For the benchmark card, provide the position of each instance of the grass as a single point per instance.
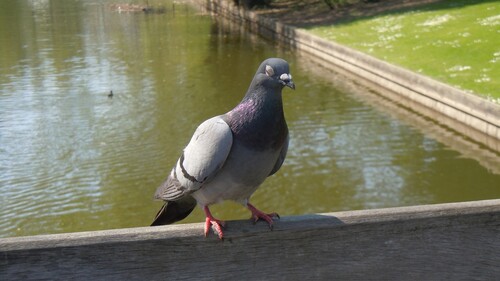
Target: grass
(456, 42)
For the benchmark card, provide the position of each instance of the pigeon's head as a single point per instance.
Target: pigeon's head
(278, 70)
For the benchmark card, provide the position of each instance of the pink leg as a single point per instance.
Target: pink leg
(211, 221)
(257, 214)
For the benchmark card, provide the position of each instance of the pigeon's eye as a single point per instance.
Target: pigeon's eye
(269, 71)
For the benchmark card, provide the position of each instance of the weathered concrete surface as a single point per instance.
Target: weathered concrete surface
(457, 241)
(469, 114)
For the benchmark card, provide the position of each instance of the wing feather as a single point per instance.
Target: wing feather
(202, 158)
(281, 157)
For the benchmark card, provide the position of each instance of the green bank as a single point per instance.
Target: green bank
(456, 42)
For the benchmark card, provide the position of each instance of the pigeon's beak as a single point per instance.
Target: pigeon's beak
(286, 80)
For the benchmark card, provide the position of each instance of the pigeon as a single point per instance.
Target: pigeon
(230, 155)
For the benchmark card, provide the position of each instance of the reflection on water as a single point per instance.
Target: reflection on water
(72, 159)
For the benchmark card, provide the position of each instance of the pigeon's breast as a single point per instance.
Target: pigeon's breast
(241, 175)
(259, 128)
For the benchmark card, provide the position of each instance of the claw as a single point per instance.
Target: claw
(217, 224)
(211, 221)
(257, 215)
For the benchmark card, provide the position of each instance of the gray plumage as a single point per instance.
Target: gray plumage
(230, 155)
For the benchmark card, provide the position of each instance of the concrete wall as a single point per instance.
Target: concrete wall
(469, 114)
(458, 241)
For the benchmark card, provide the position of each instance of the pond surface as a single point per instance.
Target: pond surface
(73, 159)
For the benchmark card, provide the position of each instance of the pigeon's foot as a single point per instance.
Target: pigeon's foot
(211, 221)
(258, 214)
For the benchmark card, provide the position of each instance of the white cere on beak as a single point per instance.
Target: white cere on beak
(269, 71)
(286, 77)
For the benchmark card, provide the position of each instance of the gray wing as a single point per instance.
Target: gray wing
(281, 157)
(202, 158)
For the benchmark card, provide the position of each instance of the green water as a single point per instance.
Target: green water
(72, 159)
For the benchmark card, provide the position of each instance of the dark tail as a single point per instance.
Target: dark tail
(173, 211)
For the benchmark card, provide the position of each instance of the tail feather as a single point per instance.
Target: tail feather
(174, 211)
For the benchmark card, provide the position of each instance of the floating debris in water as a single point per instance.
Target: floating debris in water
(133, 8)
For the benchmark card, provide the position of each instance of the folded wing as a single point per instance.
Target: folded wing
(202, 158)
